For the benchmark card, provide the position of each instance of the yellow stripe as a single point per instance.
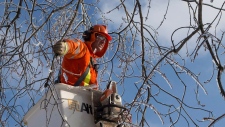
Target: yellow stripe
(87, 79)
(78, 49)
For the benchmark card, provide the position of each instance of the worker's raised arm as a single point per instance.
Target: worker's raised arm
(71, 49)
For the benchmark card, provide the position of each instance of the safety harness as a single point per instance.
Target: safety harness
(84, 75)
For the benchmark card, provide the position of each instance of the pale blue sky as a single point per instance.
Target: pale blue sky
(176, 17)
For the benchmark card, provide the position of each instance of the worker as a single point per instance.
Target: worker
(79, 58)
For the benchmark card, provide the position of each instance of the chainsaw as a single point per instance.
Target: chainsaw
(111, 112)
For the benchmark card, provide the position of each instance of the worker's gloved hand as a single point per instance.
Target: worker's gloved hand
(60, 48)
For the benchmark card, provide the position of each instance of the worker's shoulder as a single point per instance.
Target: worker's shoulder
(73, 40)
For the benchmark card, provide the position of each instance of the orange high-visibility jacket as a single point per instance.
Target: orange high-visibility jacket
(75, 63)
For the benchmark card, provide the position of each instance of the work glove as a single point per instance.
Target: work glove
(60, 48)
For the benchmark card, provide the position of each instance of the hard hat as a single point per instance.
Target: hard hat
(89, 37)
(101, 29)
(96, 29)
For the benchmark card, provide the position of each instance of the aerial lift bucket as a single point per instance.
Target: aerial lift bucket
(68, 106)
(64, 106)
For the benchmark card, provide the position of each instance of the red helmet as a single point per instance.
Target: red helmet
(101, 29)
(90, 36)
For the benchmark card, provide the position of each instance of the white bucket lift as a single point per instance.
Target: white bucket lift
(68, 106)
(64, 106)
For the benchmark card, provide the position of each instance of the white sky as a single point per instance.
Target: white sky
(177, 16)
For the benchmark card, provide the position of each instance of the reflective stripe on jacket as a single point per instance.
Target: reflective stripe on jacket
(75, 63)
